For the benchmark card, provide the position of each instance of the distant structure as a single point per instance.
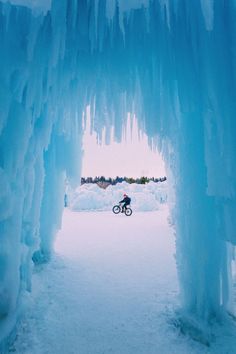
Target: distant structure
(104, 182)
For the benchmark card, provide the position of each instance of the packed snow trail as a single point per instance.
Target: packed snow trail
(111, 288)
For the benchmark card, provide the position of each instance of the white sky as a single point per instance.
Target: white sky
(132, 158)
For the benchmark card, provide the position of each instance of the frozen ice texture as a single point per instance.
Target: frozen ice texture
(36, 5)
(173, 65)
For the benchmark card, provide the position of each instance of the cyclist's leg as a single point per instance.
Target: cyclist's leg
(123, 207)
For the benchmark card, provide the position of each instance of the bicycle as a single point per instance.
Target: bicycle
(118, 208)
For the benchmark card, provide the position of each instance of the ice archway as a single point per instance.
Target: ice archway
(170, 63)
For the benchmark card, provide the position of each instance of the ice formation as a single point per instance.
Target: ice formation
(172, 64)
(90, 197)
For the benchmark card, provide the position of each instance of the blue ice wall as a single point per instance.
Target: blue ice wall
(40, 136)
(172, 63)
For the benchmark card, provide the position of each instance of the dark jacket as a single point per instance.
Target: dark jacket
(126, 200)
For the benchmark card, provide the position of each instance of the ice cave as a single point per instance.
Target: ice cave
(172, 64)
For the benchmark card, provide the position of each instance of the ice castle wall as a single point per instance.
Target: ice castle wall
(170, 63)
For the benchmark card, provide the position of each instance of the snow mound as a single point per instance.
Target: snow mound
(90, 197)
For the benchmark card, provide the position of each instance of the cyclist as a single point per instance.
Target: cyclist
(126, 202)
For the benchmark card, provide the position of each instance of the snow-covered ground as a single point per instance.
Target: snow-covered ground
(111, 288)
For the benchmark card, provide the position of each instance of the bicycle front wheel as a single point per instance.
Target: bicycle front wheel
(116, 209)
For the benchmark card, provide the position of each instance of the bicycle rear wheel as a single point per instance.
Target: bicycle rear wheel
(116, 209)
(128, 211)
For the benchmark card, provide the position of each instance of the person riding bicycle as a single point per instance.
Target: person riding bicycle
(126, 202)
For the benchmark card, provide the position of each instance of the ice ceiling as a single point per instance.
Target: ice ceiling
(172, 64)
